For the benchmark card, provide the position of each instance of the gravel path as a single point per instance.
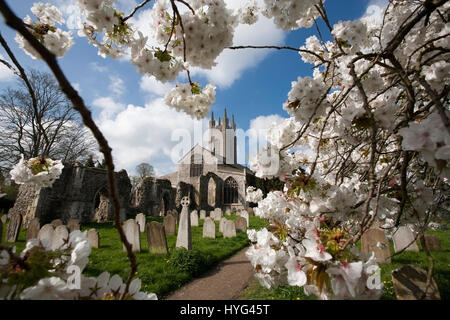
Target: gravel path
(225, 282)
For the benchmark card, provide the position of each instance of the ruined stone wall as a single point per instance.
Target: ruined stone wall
(72, 196)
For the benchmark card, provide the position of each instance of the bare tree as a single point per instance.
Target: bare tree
(40, 123)
(145, 170)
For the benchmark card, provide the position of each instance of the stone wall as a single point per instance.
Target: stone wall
(153, 196)
(73, 195)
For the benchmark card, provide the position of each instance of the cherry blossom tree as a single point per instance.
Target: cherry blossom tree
(374, 114)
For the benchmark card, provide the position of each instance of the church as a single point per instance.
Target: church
(211, 176)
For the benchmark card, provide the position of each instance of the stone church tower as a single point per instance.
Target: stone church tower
(222, 138)
(211, 175)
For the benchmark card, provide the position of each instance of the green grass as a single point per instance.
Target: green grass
(159, 274)
(441, 274)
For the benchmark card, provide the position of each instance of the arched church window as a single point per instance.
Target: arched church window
(230, 191)
(196, 165)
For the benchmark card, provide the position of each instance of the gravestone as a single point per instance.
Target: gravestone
(209, 228)
(170, 223)
(33, 229)
(140, 220)
(4, 218)
(229, 229)
(202, 214)
(194, 219)
(93, 238)
(13, 228)
(432, 242)
(251, 211)
(156, 238)
(57, 222)
(212, 214)
(131, 229)
(176, 215)
(73, 224)
(375, 240)
(217, 214)
(222, 223)
(60, 237)
(404, 237)
(228, 211)
(244, 214)
(184, 237)
(240, 224)
(410, 283)
(45, 235)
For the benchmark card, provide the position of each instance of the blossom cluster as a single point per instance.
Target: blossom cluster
(248, 14)
(53, 38)
(36, 171)
(253, 195)
(58, 283)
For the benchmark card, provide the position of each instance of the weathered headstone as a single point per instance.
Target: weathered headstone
(156, 238)
(94, 238)
(375, 240)
(184, 237)
(432, 242)
(33, 229)
(209, 228)
(202, 214)
(217, 214)
(228, 211)
(60, 237)
(194, 219)
(404, 238)
(240, 224)
(73, 224)
(410, 283)
(212, 214)
(251, 211)
(131, 229)
(45, 235)
(229, 229)
(4, 218)
(140, 220)
(222, 223)
(13, 228)
(170, 223)
(57, 222)
(176, 215)
(244, 214)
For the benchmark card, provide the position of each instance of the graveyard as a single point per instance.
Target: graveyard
(225, 150)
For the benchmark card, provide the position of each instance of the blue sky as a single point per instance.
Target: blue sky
(251, 84)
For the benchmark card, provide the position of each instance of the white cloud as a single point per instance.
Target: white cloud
(374, 10)
(154, 87)
(5, 73)
(116, 85)
(76, 86)
(108, 106)
(144, 134)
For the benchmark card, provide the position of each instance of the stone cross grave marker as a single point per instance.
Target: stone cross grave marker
(170, 223)
(59, 237)
(240, 224)
(45, 235)
(13, 228)
(156, 238)
(94, 238)
(33, 229)
(229, 229)
(56, 222)
(375, 240)
(194, 219)
(222, 223)
(202, 214)
(73, 224)
(209, 228)
(131, 229)
(403, 237)
(184, 237)
(410, 283)
(140, 220)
